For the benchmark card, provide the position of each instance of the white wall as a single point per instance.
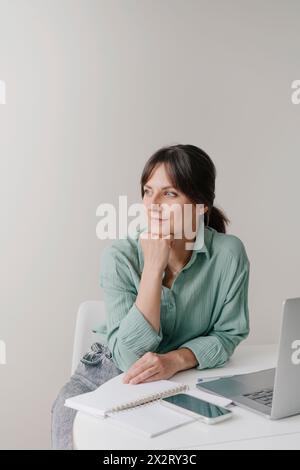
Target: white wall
(93, 88)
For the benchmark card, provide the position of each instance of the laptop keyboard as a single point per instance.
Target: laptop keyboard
(264, 396)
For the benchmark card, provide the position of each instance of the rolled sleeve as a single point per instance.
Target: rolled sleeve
(232, 323)
(129, 334)
(137, 334)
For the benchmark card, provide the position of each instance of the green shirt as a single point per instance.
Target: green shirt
(205, 310)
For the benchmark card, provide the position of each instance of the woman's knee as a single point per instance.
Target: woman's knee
(62, 417)
(65, 392)
(85, 379)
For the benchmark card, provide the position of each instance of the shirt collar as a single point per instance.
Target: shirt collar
(202, 243)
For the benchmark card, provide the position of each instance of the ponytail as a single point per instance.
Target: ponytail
(216, 219)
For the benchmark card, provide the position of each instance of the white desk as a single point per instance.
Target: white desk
(246, 430)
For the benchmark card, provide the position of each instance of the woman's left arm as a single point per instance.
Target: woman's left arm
(232, 325)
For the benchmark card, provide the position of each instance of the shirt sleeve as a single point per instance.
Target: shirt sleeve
(232, 323)
(129, 334)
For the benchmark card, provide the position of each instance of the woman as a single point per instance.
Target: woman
(169, 307)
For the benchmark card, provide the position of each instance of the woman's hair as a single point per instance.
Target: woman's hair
(192, 172)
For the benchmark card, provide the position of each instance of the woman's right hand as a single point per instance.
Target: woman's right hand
(156, 251)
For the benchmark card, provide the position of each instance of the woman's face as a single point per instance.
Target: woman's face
(168, 210)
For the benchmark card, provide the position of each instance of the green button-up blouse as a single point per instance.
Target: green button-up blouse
(205, 310)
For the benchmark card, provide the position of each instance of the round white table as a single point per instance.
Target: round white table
(244, 430)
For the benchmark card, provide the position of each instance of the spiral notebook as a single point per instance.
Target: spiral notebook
(133, 406)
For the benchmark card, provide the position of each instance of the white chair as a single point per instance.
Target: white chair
(90, 314)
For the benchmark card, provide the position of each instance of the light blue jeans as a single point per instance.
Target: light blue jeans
(95, 368)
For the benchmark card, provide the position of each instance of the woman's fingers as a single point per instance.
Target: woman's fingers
(147, 374)
(143, 364)
(133, 372)
(137, 368)
(154, 377)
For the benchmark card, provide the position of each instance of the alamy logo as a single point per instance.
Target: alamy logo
(157, 218)
(2, 353)
(295, 97)
(2, 92)
(296, 354)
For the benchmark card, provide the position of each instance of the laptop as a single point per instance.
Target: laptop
(274, 393)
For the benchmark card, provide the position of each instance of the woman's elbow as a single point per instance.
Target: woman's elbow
(121, 356)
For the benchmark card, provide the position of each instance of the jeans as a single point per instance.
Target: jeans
(95, 368)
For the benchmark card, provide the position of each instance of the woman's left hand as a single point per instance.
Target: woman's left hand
(152, 366)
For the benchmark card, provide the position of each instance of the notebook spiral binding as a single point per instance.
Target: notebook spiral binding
(145, 400)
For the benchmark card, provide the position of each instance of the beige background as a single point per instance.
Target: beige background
(93, 88)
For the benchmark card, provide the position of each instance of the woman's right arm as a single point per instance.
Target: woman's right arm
(156, 255)
(149, 296)
(132, 319)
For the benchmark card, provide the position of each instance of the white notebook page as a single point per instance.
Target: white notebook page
(150, 420)
(114, 393)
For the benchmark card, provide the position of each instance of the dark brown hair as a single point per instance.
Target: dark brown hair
(192, 172)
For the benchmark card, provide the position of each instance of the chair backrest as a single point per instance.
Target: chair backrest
(90, 314)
